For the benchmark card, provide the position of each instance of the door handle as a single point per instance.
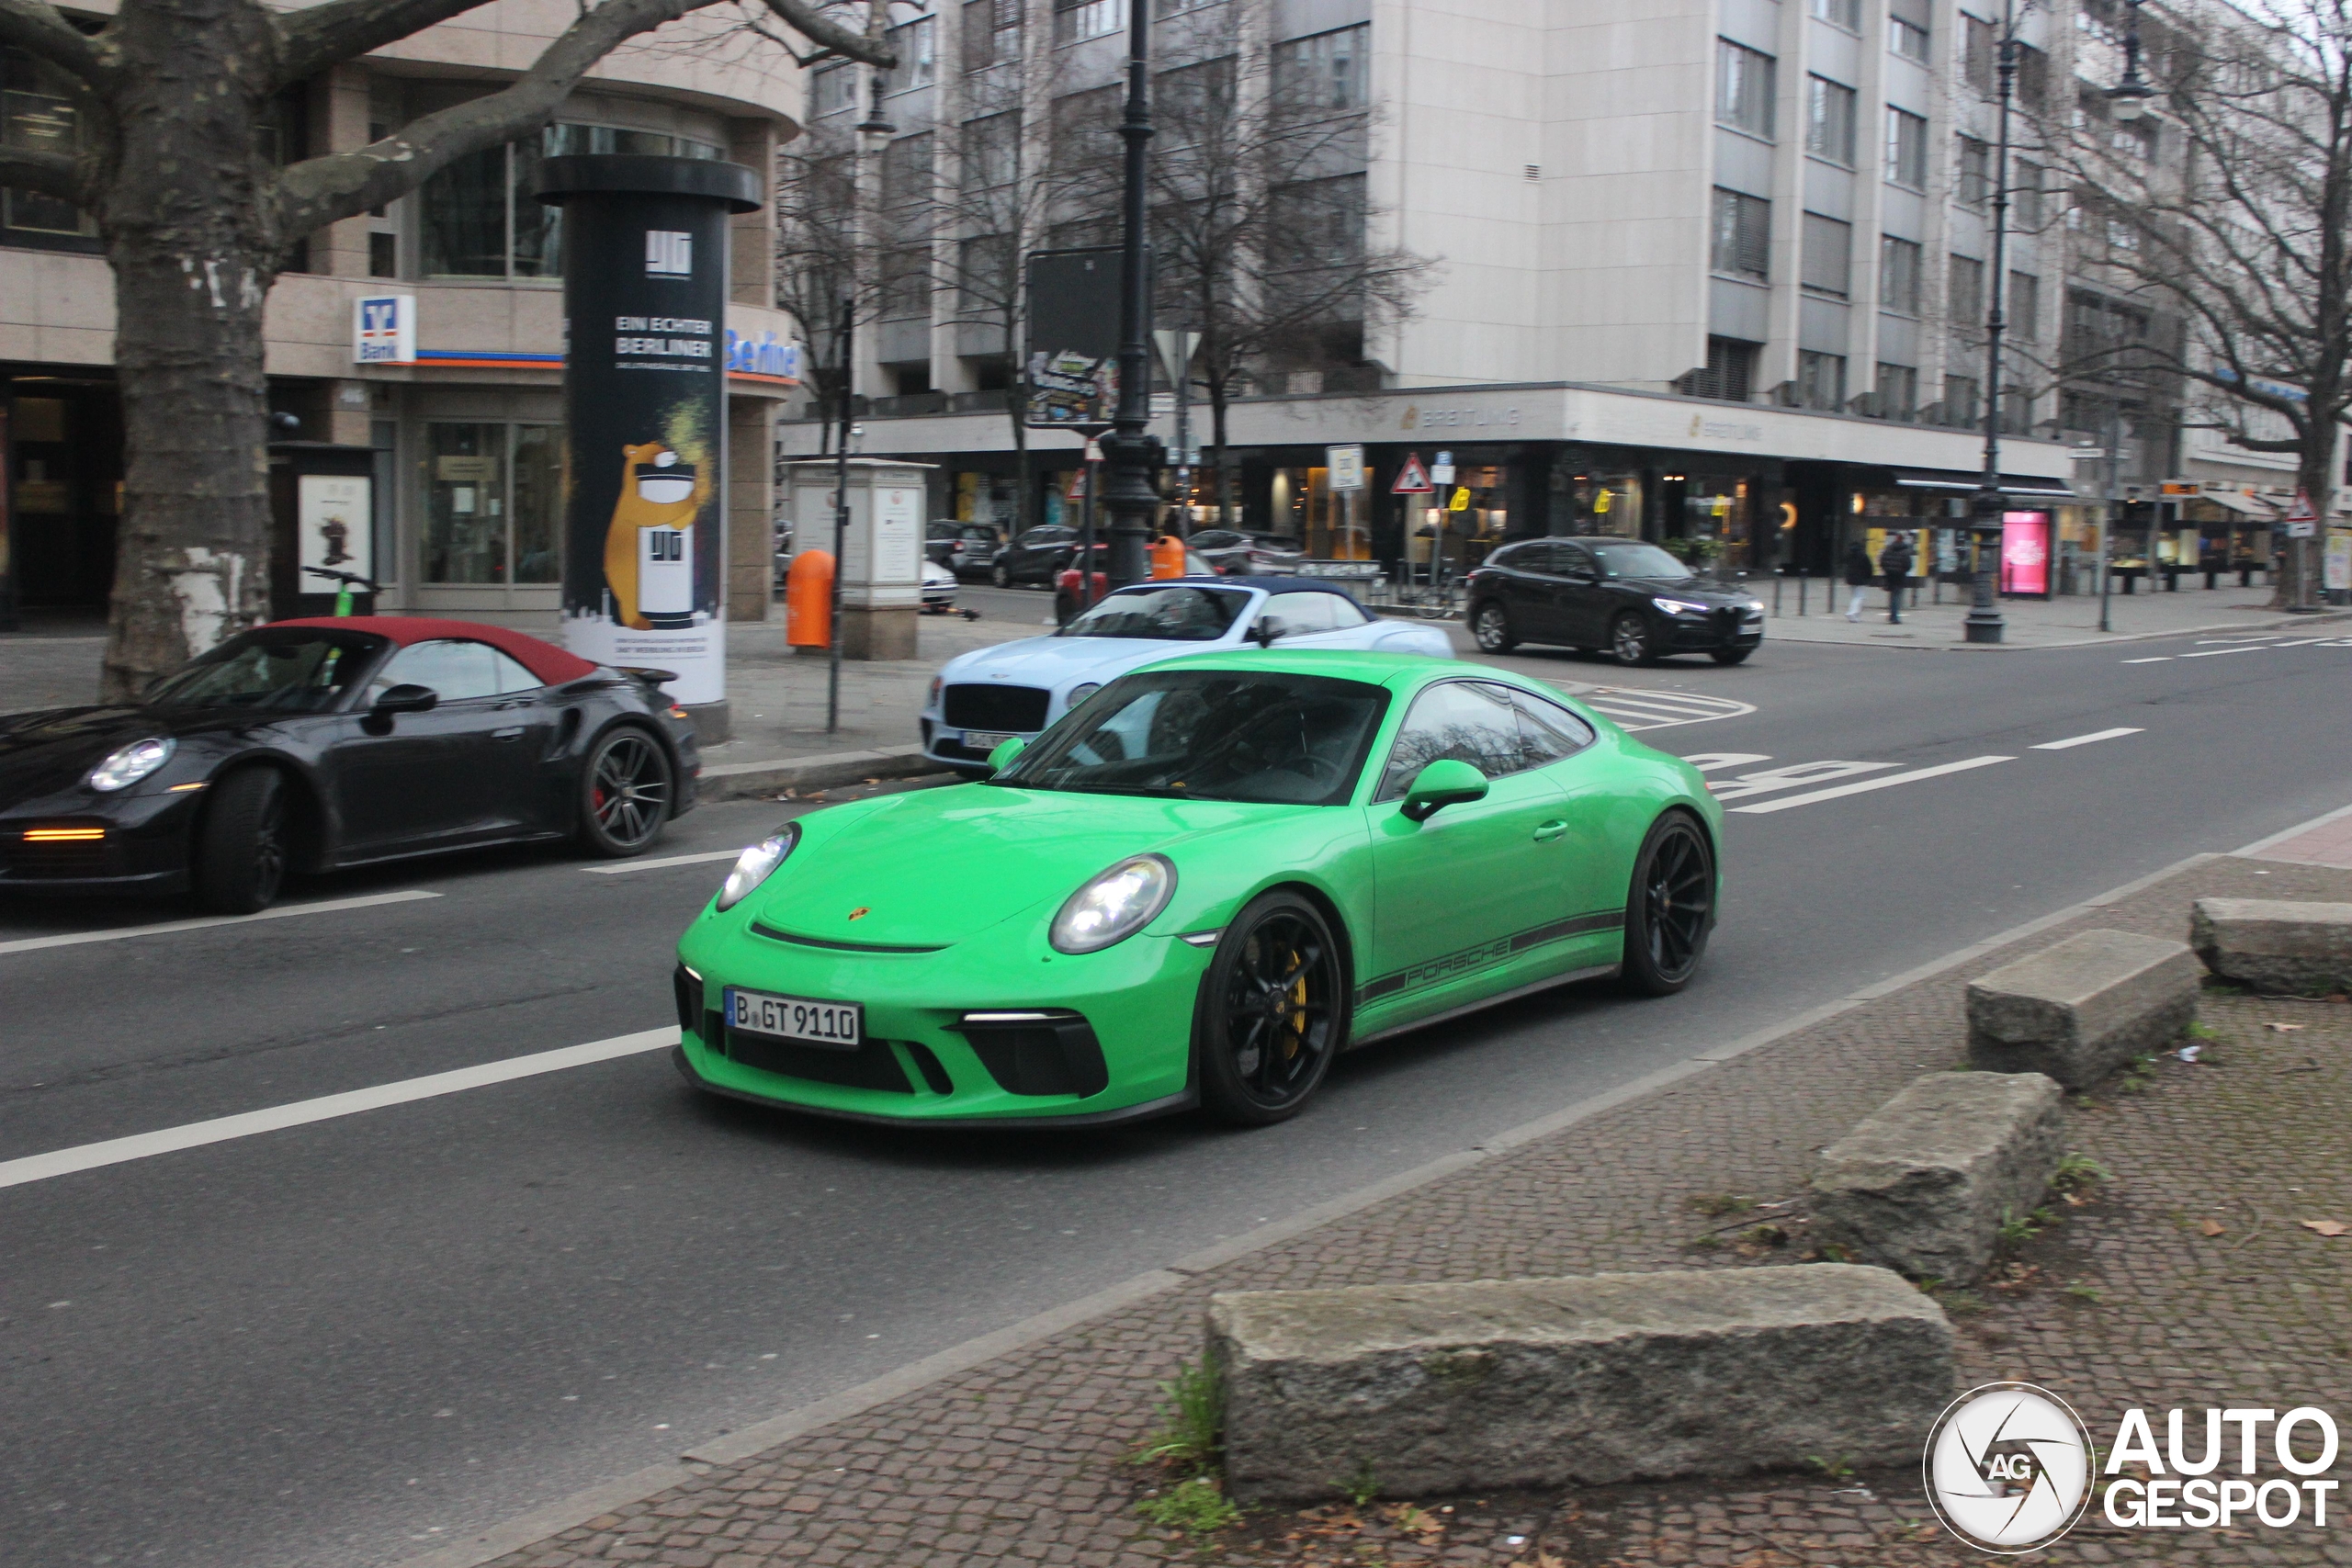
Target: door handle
(507, 734)
(1548, 831)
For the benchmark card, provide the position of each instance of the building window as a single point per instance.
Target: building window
(1907, 148)
(1898, 276)
(916, 44)
(1075, 21)
(1829, 255)
(1898, 391)
(1329, 74)
(992, 32)
(1959, 400)
(833, 89)
(1847, 14)
(1084, 130)
(481, 217)
(1964, 299)
(1743, 89)
(493, 502)
(1730, 371)
(1976, 53)
(906, 171)
(2026, 191)
(1821, 380)
(2024, 313)
(1975, 171)
(1829, 120)
(1742, 235)
(906, 282)
(1908, 39)
(39, 112)
(993, 150)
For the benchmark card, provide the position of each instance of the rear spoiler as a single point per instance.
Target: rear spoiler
(650, 679)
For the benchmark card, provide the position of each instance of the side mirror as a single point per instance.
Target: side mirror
(1006, 750)
(1269, 627)
(1443, 782)
(406, 698)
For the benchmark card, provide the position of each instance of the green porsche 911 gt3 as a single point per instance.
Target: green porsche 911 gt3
(1198, 887)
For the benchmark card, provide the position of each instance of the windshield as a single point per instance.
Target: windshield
(1161, 614)
(1638, 560)
(1262, 737)
(285, 671)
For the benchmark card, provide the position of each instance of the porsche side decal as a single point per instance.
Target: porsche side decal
(1437, 970)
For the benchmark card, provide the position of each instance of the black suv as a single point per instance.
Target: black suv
(1036, 556)
(1629, 599)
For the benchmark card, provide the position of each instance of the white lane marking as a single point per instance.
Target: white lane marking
(2304, 642)
(164, 928)
(1866, 786)
(2159, 658)
(2073, 741)
(221, 1129)
(1792, 777)
(628, 865)
(1710, 762)
(1631, 709)
(2217, 652)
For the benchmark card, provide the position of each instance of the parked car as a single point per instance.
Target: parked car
(1628, 599)
(1066, 603)
(1199, 889)
(939, 587)
(967, 549)
(312, 745)
(1033, 555)
(982, 698)
(782, 544)
(1232, 553)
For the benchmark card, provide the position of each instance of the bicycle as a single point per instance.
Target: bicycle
(346, 582)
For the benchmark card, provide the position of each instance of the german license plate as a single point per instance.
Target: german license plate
(838, 1025)
(984, 739)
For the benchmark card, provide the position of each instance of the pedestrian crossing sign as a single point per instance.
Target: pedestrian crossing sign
(1412, 478)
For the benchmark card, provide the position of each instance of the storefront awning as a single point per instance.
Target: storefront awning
(2243, 505)
(2031, 485)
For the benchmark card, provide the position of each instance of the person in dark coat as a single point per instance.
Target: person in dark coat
(1895, 565)
(1859, 574)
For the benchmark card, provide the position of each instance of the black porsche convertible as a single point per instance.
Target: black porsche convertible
(308, 746)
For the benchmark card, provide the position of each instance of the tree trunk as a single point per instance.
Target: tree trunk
(1017, 410)
(187, 228)
(1216, 388)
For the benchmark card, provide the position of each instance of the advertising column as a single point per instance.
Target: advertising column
(645, 242)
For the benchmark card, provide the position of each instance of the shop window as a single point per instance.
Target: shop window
(1829, 256)
(493, 499)
(40, 113)
(1742, 240)
(1907, 148)
(1743, 88)
(1829, 120)
(1821, 380)
(481, 217)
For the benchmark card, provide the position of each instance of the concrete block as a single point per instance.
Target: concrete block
(1921, 1185)
(2275, 945)
(2080, 1010)
(1452, 1388)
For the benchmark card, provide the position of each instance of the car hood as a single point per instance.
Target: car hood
(1056, 661)
(933, 867)
(50, 749)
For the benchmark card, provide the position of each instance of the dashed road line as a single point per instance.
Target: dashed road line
(206, 922)
(2159, 658)
(1865, 786)
(618, 868)
(301, 1113)
(2217, 652)
(2074, 740)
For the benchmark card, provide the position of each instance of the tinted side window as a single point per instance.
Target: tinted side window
(1464, 720)
(456, 670)
(512, 674)
(1547, 731)
(1573, 558)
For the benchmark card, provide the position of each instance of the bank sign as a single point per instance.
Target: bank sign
(383, 330)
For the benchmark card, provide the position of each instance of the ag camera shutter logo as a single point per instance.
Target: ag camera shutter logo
(2009, 1468)
(669, 254)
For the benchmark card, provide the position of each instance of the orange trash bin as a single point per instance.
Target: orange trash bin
(1168, 557)
(809, 600)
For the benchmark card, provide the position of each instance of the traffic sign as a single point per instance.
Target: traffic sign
(1346, 466)
(1412, 478)
(1461, 501)
(2302, 520)
(1441, 471)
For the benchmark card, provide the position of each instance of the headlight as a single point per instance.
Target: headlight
(757, 864)
(1113, 905)
(933, 701)
(1679, 606)
(134, 762)
(1080, 693)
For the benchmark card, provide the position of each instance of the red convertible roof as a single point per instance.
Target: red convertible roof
(549, 663)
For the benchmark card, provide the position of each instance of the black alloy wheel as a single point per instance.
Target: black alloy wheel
(1491, 624)
(1001, 575)
(240, 857)
(1731, 655)
(625, 793)
(1272, 1012)
(1630, 641)
(1672, 908)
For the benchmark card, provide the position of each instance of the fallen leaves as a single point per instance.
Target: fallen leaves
(2280, 1028)
(2213, 1227)
(2325, 1227)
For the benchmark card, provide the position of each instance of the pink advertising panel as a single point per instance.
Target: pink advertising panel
(2025, 553)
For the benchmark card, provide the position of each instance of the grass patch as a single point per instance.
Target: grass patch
(1192, 1421)
(1197, 1505)
(1363, 1486)
(1836, 1467)
(2083, 1292)
(1716, 1205)
(2137, 1075)
(2078, 1170)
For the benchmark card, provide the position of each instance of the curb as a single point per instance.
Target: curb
(2281, 622)
(747, 781)
(568, 1512)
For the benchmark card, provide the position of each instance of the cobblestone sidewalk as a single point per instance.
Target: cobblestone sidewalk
(2186, 1279)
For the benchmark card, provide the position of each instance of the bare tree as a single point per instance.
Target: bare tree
(820, 264)
(2228, 207)
(194, 218)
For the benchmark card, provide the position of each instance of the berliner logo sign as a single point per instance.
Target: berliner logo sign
(2009, 1468)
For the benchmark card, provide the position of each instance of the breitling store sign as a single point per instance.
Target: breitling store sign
(645, 406)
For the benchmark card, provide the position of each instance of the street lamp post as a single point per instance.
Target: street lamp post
(1131, 454)
(1984, 623)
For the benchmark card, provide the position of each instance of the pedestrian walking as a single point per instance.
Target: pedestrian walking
(2242, 558)
(1895, 565)
(1858, 577)
(2209, 561)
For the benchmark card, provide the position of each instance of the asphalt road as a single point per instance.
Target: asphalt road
(343, 1342)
